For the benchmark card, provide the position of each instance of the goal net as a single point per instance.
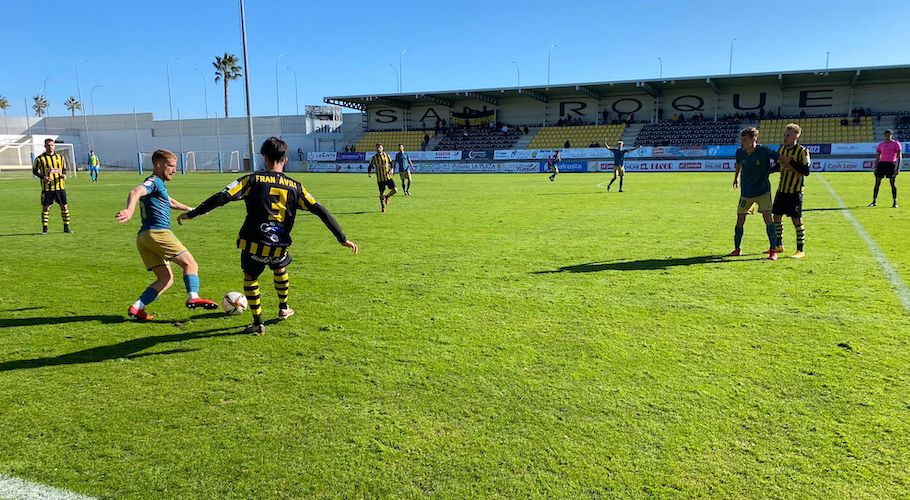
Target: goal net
(19, 156)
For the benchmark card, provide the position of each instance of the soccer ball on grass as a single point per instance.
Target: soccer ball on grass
(234, 303)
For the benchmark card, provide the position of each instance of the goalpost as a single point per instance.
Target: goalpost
(19, 156)
(190, 161)
(198, 161)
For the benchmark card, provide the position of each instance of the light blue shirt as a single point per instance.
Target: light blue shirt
(155, 206)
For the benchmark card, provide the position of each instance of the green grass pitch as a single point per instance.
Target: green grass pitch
(497, 336)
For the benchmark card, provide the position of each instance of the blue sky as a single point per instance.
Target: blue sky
(346, 48)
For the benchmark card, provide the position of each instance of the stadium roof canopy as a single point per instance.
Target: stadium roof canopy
(653, 87)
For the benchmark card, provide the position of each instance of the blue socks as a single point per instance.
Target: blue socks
(147, 297)
(772, 234)
(191, 281)
(738, 237)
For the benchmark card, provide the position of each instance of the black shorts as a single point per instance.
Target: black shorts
(789, 204)
(254, 264)
(885, 169)
(48, 198)
(383, 185)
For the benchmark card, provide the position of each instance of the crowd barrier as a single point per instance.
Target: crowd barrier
(647, 152)
(705, 165)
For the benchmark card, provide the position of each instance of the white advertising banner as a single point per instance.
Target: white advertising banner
(847, 165)
(566, 154)
(321, 156)
(856, 148)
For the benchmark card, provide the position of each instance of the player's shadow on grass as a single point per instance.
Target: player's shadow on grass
(645, 264)
(58, 320)
(128, 349)
(827, 209)
(18, 234)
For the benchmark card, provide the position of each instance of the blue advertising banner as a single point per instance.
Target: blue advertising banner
(567, 166)
(350, 156)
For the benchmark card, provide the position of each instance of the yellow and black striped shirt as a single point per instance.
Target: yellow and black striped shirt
(791, 179)
(50, 169)
(383, 165)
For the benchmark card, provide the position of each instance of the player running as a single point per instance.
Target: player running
(156, 242)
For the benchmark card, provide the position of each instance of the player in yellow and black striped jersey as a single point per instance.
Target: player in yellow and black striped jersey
(50, 167)
(794, 165)
(272, 200)
(385, 173)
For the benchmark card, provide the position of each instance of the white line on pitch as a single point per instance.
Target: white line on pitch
(903, 293)
(18, 489)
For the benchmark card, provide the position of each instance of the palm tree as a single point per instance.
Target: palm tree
(40, 105)
(4, 105)
(72, 104)
(227, 68)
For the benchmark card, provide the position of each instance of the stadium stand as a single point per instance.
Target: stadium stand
(902, 128)
(390, 139)
(689, 134)
(821, 130)
(580, 136)
(478, 139)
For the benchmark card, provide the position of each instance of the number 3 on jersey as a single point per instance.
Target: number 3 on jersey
(279, 197)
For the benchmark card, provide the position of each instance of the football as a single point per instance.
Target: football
(234, 303)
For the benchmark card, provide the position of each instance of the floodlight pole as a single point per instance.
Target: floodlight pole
(731, 55)
(170, 104)
(296, 96)
(92, 98)
(246, 81)
(519, 75)
(549, 56)
(401, 69)
(205, 93)
(79, 93)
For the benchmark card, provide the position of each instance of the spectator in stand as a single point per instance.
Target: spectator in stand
(606, 115)
(674, 118)
(352, 149)
(567, 145)
(426, 138)
(857, 120)
(887, 164)
(660, 114)
(526, 130)
(761, 113)
(438, 125)
(802, 113)
(505, 129)
(844, 122)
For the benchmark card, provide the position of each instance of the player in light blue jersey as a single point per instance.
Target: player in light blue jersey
(156, 242)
